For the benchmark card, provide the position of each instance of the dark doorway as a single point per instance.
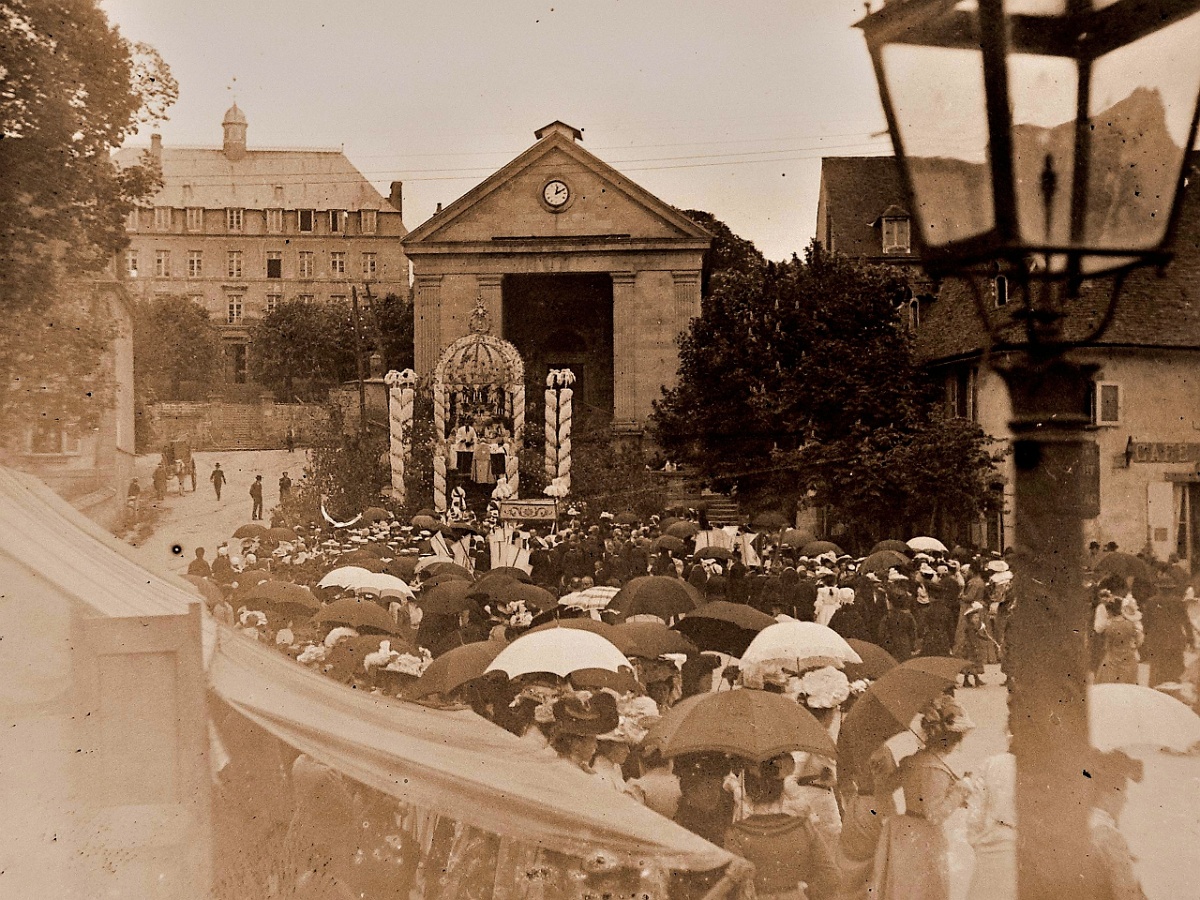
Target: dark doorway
(235, 363)
(564, 321)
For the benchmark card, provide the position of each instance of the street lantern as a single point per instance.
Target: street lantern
(1046, 141)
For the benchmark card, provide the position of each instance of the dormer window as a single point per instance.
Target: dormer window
(896, 234)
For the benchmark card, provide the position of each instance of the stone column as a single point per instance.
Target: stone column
(687, 299)
(427, 327)
(625, 341)
(491, 295)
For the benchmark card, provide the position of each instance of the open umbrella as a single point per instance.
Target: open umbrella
(381, 581)
(510, 571)
(650, 640)
(800, 645)
(596, 597)
(1129, 715)
(816, 548)
(345, 577)
(347, 656)
(502, 589)
(355, 613)
(724, 626)
(875, 661)
(285, 596)
(558, 651)
(794, 538)
(375, 514)
(882, 560)
(926, 545)
(683, 530)
(402, 566)
(447, 598)
(898, 546)
(440, 565)
(890, 703)
(720, 553)
(279, 533)
(667, 542)
(456, 667)
(492, 583)
(655, 595)
(425, 522)
(251, 530)
(769, 520)
(435, 580)
(1124, 565)
(583, 623)
(627, 518)
(753, 725)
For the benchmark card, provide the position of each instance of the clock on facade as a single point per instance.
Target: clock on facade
(556, 194)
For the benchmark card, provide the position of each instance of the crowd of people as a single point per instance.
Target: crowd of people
(817, 827)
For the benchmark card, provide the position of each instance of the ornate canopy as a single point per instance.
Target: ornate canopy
(480, 358)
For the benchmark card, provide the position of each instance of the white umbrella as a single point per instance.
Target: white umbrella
(926, 544)
(560, 651)
(381, 581)
(346, 577)
(591, 598)
(426, 561)
(1128, 715)
(800, 644)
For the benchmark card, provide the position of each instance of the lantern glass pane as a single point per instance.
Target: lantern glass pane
(1142, 105)
(1042, 92)
(938, 100)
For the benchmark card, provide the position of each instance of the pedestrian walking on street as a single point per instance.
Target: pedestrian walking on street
(285, 487)
(191, 472)
(257, 496)
(1168, 632)
(1120, 626)
(160, 481)
(218, 479)
(290, 440)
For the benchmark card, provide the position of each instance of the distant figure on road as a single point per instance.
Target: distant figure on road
(191, 473)
(160, 481)
(132, 498)
(199, 565)
(290, 440)
(285, 487)
(218, 479)
(256, 496)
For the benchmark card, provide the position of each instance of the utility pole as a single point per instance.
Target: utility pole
(358, 363)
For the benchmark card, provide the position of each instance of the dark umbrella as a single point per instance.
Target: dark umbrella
(585, 623)
(667, 542)
(442, 579)
(666, 523)
(889, 704)
(794, 538)
(425, 522)
(683, 530)
(279, 533)
(402, 566)
(456, 667)
(650, 640)
(1124, 565)
(655, 595)
(207, 588)
(753, 725)
(724, 626)
(816, 548)
(898, 546)
(355, 613)
(246, 582)
(502, 589)
(875, 661)
(770, 520)
(627, 518)
(284, 596)
(715, 553)
(347, 655)
(251, 530)
(445, 568)
(447, 598)
(375, 514)
(510, 571)
(882, 560)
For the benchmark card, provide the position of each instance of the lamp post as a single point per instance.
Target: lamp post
(1046, 141)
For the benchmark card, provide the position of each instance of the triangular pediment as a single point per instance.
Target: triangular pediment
(512, 203)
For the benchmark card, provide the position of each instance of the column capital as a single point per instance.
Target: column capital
(490, 280)
(686, 276)
(623, 277)
(428, 279)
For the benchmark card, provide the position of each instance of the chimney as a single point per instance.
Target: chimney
(438, 210)
(156, 149)
(396, 196)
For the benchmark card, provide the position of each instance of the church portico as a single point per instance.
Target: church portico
(584, 269)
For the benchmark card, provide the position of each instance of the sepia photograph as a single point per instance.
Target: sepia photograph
(608, 450)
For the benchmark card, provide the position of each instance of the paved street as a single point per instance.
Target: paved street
(199, 519)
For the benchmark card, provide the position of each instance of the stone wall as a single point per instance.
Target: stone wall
(233, 426)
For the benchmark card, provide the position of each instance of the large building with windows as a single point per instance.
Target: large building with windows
(240, 230)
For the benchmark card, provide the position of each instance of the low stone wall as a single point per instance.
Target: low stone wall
(215, 425)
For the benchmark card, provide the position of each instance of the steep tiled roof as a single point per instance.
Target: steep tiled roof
(1153, 310)
(306, 179)
(855, 193)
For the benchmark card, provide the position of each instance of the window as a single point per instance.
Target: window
(305, 298)
(337, 262)
(895, 235)
(131, 219)
(274, 221)
(233, 218)
(305, 219)
(162, 263)
(366, 219)
(1000, 290)
(52, 438)
(914, 314)
(337, 298)
(368, 265)
(234, 267)
(162, 218)
(131, 263)
(234, 316)
(274, 264)
(1106, 403)
(195, 263)
(195, 218)
(273, 301)
(960, 394)
(337, 221)
(306, 264)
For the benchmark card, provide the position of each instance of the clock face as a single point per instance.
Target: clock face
(556, 193)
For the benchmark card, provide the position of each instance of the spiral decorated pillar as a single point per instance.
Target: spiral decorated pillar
(401, 397)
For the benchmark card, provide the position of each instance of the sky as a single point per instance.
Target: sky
(721, 105)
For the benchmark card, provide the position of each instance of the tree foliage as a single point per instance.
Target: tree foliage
(74, 89)
(173, 341)
(798, 380)
(302, 349)
(392, 323)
